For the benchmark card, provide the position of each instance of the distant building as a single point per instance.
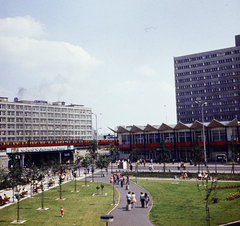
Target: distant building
(180, 138)
(24, 120)
(212, 77)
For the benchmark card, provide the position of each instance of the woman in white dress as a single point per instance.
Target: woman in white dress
(133, 199)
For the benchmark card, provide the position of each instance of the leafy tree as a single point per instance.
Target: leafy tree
(114, 151)
(3, 179)
(15, 175)
(92, 150)
(164, 153)
(61, 178)
(102, 162)
(75, 176)
(135, 154)
(198, 154)
(235, 149)
(86, 162)
(78, 159)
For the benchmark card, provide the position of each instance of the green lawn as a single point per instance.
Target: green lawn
(182, 203)
(81, 208)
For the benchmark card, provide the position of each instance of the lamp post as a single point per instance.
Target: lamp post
(204, 145)
(96, 130)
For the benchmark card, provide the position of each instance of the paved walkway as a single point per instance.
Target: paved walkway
(137, 216)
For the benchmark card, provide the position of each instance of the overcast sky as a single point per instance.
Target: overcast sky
(115, 57)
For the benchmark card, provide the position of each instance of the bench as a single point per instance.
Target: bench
(4, 201)
(24, 193)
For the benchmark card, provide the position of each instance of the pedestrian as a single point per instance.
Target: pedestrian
(128, 180)
(121, 181)
(129, 196)
(179, 165)
(133, 199)
(118, 179)
(111, 180)
(147, 199)
(62, 211)
(142, 200)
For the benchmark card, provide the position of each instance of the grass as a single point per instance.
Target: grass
(183, 204)
(81, 208)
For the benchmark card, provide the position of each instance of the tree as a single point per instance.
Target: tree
(92, 150)
(113, 151)
(86, 162)
(16, 181)
(78, 158)
(102, 162)
(75, 176)
(135, 154)
(61, 178)
(198, 154)
(164, 153)
(15, 176)
(235, 149)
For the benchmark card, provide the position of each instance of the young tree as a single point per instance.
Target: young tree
(234, 146)
(102, 162)
(164, 153)
(113, 151)
(15, 176)
(198, 154)
(135, 154)
(92, 150)
(86, 162)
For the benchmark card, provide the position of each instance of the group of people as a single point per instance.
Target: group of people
(4, 199)
(116, 179)
(181, 165)
(202, 176)
(144, 199)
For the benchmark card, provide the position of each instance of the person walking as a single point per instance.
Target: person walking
(133, 199)
(62, 211)
(128, 180)
(142, 200)
(131, 167)
(121, 181)
(129, 196)
(147, 199)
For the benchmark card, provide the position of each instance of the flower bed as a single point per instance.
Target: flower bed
(233, 196)
(228, 186)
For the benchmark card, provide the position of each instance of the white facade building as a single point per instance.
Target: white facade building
(23, 120)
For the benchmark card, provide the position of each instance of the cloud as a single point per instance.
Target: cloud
(21, 27)
(33, 60)
(145, 71)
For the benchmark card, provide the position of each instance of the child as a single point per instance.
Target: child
(62, 211)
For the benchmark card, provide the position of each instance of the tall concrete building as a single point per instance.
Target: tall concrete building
(208, 83)
(23, 120)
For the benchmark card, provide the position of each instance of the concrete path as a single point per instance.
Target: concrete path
(138, 215)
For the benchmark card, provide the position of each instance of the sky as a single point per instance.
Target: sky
(115, 57)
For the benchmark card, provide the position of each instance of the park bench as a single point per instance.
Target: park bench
(4, 201)
(24, 193)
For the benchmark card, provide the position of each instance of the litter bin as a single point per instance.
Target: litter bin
(107, 218)
(128, 207)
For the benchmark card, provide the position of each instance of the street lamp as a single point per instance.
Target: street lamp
(96, 130)
(204, 145)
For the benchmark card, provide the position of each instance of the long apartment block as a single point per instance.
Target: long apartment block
(23, 120)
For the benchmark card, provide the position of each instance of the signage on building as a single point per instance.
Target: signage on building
(39, 149)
